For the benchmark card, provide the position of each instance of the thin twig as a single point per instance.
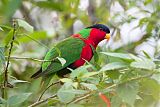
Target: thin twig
(9, 54)
(47, 89)
(28, 58)
(42, 101)
(81, 98)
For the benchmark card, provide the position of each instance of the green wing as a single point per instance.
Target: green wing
(70, 49)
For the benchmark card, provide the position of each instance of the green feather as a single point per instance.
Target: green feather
(85, 33)
(70, 49)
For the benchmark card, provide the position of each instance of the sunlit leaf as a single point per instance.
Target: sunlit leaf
(37, 35)
(119, 55)
(113, 66)
(18, 81)
(18, 99)
(127, 92)
(1, 29)
(79, 72)
(66, 80)
(89, 86)
(25, 25)
(89, 74)
(144, 64)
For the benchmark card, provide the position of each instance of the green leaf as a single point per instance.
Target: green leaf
(2, 101)
(1, 29)
(127, 92)
(147, 64)
(89, 86)
(18, 81)
(37, 35)
(147, 2)
(11, 7)
(119, 55)
(18, 99)
(51, 5)
(150, 87)
(66, 80)
(8, 38)
(116, 101)
(113, 66)
(2, 57)
(5, 27)
(66, 93)
(79, 72)
(65, 96)
(146, 54)
(62, 60)
(89, 74)
(25, 25)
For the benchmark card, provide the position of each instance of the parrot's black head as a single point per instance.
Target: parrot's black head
(101, 27)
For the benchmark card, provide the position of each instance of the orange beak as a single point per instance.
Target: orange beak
(107, 36)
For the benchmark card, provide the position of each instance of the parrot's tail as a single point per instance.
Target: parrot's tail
(37, 74)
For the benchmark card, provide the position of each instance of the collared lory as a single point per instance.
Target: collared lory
(74, 49)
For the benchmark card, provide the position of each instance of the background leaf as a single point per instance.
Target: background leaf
(144, 64)
(113, 66)
(25, 25)
(18, 99)
(2, 57)
(127, 92)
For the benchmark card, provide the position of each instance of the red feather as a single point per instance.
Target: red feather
(94, 38)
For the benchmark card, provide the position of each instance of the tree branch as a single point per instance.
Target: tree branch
(5, 82)
(9, 54)
(28, 58)
(81, 98)
(47, 89)
(42, 101)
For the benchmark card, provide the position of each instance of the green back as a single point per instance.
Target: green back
(85, 33)
(69, 49)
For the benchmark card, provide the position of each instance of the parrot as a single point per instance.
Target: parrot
(76, 50)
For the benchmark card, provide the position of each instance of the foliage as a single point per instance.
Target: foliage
(126, 78)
